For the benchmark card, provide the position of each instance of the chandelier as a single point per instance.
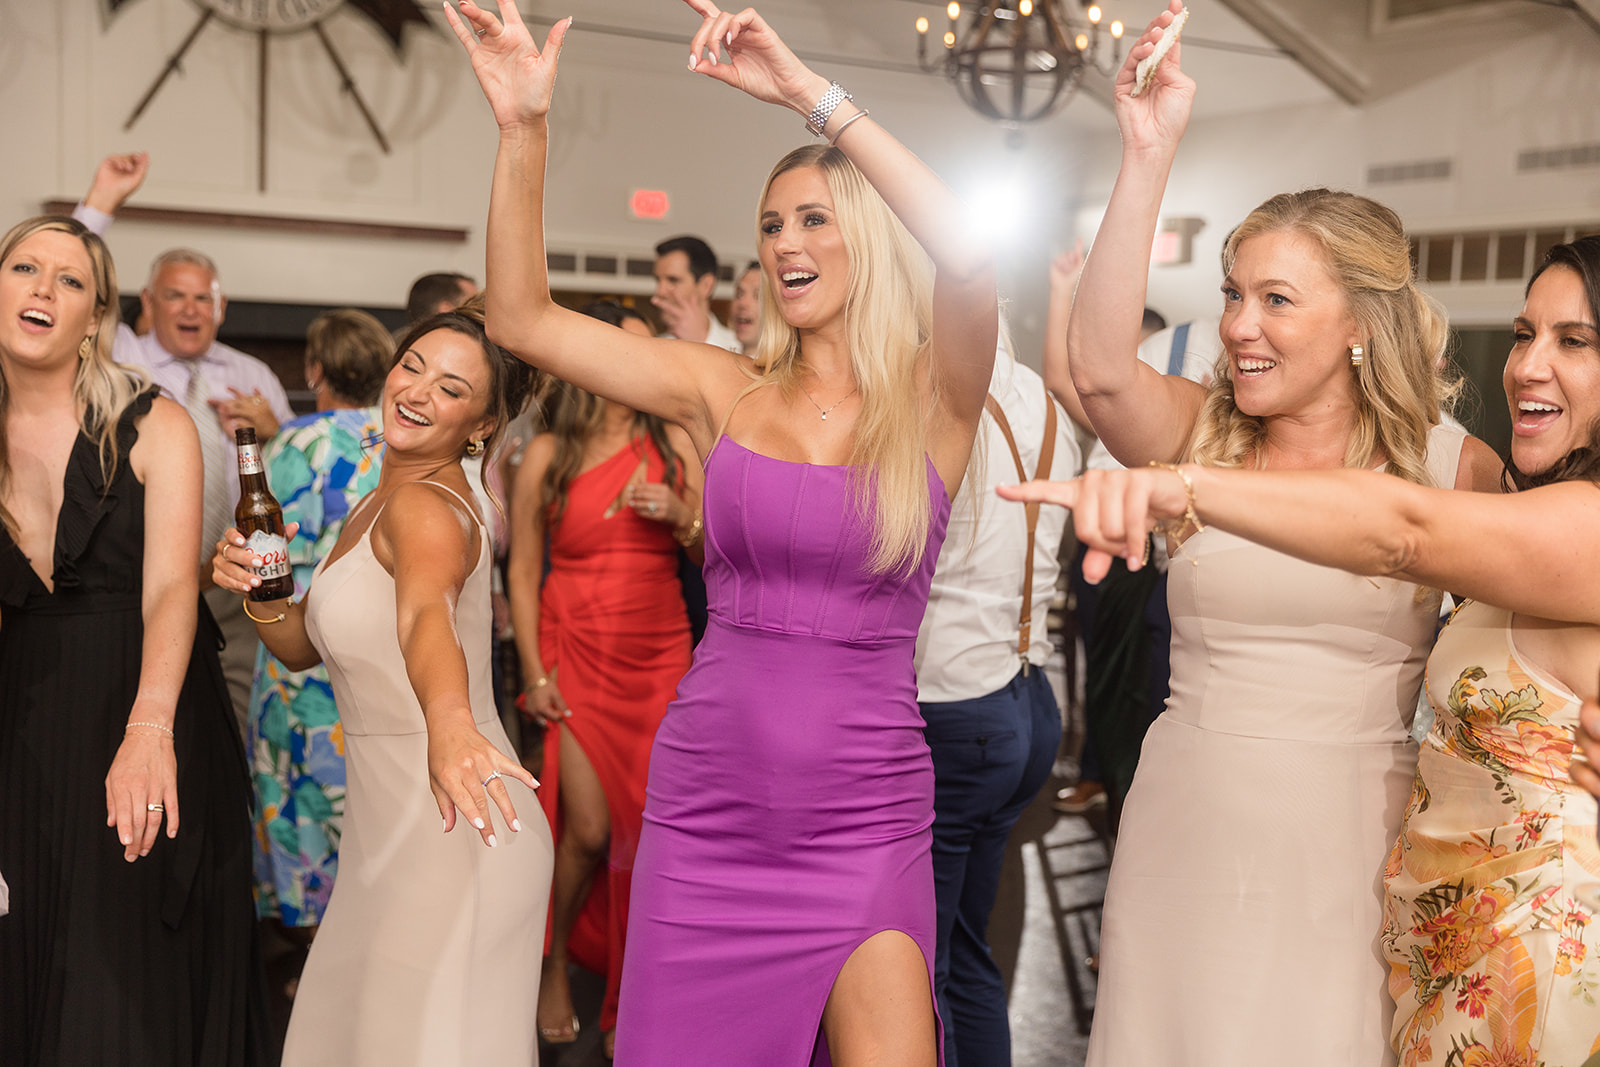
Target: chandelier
(1017, 61)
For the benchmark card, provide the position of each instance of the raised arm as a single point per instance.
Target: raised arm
(966, 316)
(429, 543)
(1139, 413)
(1364, 522)
(1065, 270)
(664, 377)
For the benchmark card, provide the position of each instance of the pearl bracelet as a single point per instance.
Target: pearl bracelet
(150, 725)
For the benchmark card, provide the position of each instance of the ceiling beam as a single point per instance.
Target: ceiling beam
(1320, 61)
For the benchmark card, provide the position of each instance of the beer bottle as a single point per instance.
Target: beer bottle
(259, 518)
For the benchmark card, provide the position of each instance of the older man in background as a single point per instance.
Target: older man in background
(222, 388)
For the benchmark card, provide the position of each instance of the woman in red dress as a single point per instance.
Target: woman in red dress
(603, 645)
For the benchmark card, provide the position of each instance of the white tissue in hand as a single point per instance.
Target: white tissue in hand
(1145, 72)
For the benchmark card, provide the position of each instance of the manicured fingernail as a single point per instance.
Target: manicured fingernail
(144, 852)
(566, 714)
(126, 840)
(239, 541)
(478, 823)
(535, 782)
(692, 60)
(730, 36)
(492, 842)
(255, 562)
(516, 825)
(255, 582)
(444, 824)
(713, 55)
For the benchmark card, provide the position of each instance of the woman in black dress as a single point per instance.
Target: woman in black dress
(123, 795)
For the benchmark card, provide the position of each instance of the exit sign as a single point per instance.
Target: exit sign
(649, 204)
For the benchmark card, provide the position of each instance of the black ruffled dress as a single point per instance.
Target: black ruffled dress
(148, 964)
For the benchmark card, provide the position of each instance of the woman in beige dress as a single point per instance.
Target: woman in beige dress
(1488, 924)
(1243, 908)
(429, 950)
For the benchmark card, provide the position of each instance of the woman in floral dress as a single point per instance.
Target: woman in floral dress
(318, 466)
(1491, 890)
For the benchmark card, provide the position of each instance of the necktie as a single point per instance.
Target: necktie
(215, 453)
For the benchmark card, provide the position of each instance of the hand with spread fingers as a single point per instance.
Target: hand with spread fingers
(1157, 117)
(1113, 511)
(759, 62)
(465, 772)
(517, 77)
(142, 784)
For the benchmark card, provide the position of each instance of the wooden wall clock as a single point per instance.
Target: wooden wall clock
(266, 18)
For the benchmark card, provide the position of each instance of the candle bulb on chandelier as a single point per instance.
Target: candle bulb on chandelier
(1082, 41)
(922, 26)
(1025, 8)
(949, 39)
(1095, 14)
(953, 10)
(1116, 29)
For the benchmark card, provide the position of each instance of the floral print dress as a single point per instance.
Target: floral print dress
(1493, 885)
(318, 467)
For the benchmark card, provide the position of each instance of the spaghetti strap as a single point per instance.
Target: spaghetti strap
(465, 502)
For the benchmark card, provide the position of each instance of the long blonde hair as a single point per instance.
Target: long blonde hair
(102, 389)
(888, 323)
(1400, 385)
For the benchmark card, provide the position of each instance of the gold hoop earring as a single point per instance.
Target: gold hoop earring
(1358, 355)
(475, 448)
(85, 347)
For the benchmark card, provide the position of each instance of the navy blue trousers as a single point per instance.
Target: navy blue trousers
(991, 756)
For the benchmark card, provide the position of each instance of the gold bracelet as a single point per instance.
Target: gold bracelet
(151, 725)
(542, 681)
(1171, 527)
(689, 539)
(264, 622)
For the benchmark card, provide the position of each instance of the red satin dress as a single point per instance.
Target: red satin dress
(613, 630)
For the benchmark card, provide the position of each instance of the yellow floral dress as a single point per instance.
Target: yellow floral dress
(1494, 882)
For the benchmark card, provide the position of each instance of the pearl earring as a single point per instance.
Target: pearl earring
(1358, 355)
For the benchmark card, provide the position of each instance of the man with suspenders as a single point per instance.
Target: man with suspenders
(992, 721)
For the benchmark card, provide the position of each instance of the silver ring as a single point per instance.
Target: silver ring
(492, 776)
(651, 507)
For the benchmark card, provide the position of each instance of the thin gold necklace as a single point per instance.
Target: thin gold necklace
(835, 404)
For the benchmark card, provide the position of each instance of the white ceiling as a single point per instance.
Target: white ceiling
(874, 42)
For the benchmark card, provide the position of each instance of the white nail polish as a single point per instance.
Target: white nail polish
(516, 825)
(478, 823)
(444, 824)
(492, 842)
(691, 60)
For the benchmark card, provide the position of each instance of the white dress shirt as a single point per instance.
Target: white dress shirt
(223, 367)
(967, 645)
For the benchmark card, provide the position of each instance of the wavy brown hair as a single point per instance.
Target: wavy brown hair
(513, 384)
(102, 388)
(1582, 257)
(575, 416)
(1400, 387)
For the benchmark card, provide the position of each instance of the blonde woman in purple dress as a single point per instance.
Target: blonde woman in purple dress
(783, 908)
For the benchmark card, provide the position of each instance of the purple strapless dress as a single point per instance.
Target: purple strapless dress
(790, 799)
